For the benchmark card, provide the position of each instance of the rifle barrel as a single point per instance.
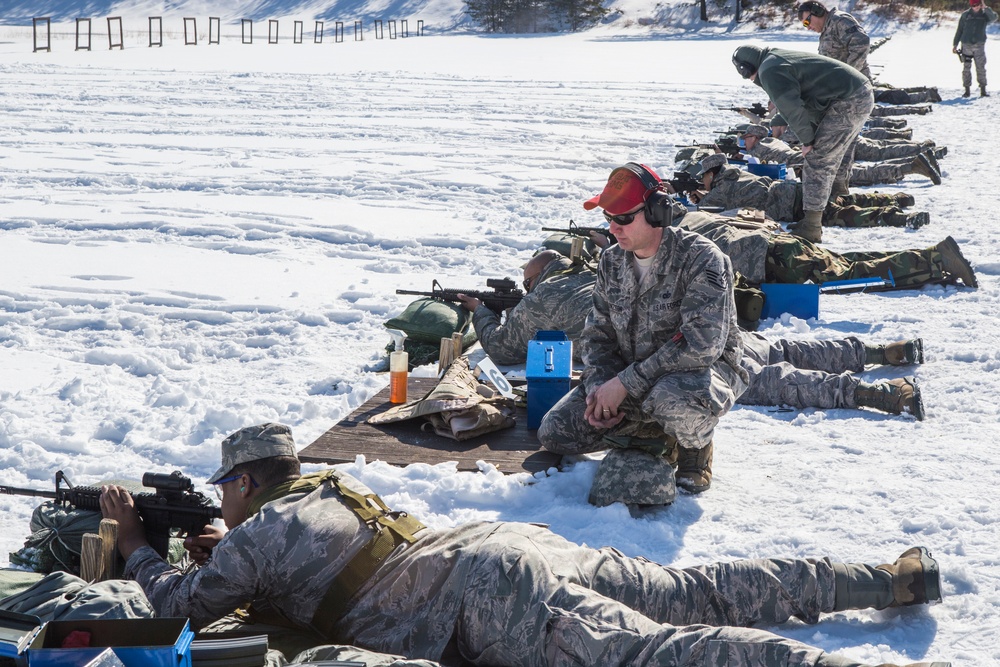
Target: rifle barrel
(17, 491)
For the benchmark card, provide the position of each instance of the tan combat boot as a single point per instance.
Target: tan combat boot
(810, 227)
(892, 396)
(916, 578)
(694, 469)
(900, 353)
(954, 262)
(922, 165)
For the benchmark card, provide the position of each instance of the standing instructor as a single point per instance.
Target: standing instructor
(826, 103)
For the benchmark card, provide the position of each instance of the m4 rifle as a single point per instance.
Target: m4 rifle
(505, 294)
(174, 508)
(585, 232)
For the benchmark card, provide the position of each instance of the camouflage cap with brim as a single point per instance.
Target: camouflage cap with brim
(712, 161)
(253, 443)
(756, 131)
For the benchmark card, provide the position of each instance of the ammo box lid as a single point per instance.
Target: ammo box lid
(550, 356)
(16, 632)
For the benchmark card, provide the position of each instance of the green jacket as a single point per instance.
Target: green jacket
(804, 85)
(972, 26)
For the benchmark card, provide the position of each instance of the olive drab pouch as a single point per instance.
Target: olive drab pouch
(459, 407)
(749, 303)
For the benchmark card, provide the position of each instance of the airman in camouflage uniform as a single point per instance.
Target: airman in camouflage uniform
(921, 161)
(500, 594)
(841, 36)
(820, 374)
(826, 102)
(970, 43)
(661, 346)
(733, 188)
(762, 253)
(559, 298)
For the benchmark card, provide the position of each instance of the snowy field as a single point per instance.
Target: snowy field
(195, 239)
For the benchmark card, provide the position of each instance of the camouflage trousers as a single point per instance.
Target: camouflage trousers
(684, 405)
(880, 172)
(974, 53)
(534, 599)
(875, 150)
(802, 374)
(832, 154)
(791, 259)
(784, 201)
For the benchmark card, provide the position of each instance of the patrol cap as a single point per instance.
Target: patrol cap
(756, 131)
(253, 443)
(712, 161)
(625, 190)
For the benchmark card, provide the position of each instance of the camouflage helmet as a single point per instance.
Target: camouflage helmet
(633, 477)
(253, 443)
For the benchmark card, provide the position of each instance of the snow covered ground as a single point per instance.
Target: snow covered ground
(193, 239)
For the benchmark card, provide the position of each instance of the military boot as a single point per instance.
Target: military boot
(904, 200)
(940, 152)
(967, 92)
(982, 91)
(840, 189)
(892, 396)
(954, 262)
(922, 165)
(694, 469)
(810, 227)
(900, 353)
(895, 218)
(914, 578)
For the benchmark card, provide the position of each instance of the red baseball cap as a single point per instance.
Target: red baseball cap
(624, 191)
(973, 3)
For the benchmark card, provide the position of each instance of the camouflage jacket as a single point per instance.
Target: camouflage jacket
(681, 318)
(287, 555)
(770, 149)
(845, 40)
(733, 187)
(560, 301)
(744, 243)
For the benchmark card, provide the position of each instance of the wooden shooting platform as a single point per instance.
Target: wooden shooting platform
(510, 450)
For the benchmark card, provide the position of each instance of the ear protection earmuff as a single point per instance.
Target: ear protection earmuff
(815, 8)
(658, 210)
(743, 68)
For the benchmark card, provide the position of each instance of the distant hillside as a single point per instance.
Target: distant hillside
(448, 15)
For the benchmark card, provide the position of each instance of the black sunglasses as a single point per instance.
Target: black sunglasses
(623, 219)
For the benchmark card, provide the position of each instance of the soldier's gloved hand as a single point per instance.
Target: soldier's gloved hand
(117, 504)
(199, 547)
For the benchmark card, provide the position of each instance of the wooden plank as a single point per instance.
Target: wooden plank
(510, 450)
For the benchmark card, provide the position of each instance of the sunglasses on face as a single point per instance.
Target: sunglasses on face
(806, 21)
(623, 219)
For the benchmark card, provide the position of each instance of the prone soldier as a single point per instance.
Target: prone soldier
(327, 555)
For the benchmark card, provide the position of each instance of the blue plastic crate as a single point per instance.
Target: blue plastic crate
(143, 642)
(548, 372)
(776, 171)
(798, 300)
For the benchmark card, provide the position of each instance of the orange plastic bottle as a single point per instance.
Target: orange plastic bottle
(398, 372)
